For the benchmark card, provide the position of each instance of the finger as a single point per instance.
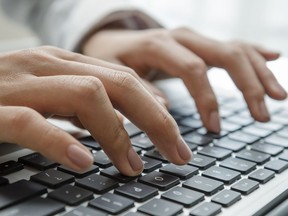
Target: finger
(267, 54)
(86, 98)
(266, 77)
(186, 65)
(26, 127)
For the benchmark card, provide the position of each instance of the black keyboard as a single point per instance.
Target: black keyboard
(225, 168)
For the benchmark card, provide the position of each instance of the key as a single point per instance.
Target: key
(283, 132)
(197, 139)
(142, 141)
(206, 209)
(215, 152)
(192, 146)
(150, 164)
(267, 148)
(37, 161)
(19, 191)
(112, 203)
(97, 183)
(262, 175)
(183, 111)
(225, 113)
(230, 144)
(272, 126)
(253, 156)
(135, 214)
(202, 162)
(137, 191)
(183, 172)
(113, 173)
(132, 130)
(71, 195)
(277, 166)
(160, 207)
(243, 137)
(184, 129)
(274, 139)
(155, 155)
(52, 178)
(159, 180)
(191, 122)
(284, 156)
(101, 159)
(10, 167)
(211, 135)
(37, 206)
(79, 174)
(3, 181)
(230, 126)
(85, 211)
(90, 142)
(183, 196)
(222, 174)
(237, 119)
(260, 132)
(239, 165)
(226, 198)
(203, 185)
(245, 186)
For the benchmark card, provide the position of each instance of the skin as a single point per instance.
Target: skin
(47, 81)
(187, 54)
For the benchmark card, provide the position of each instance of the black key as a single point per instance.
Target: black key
(71, 195)
(3, 181)
(243, 137)
(226, 198)
(230, 144)
(245, 186)
(10, 167)
(183, 172)
(79, 174)
(197, 139)
(113, 173)
(150, 164)
(215, 152)
(253, 130)
(159, 207)
(239, 165)
(85, 211)
(137, 150)
(230, 126)
(52, 178)
(275, 139)
(262, 175)
(212, 135)
(19, 191)
(225, 113)
(191, 122)
(112, 203)
(159, 180)
(253, 156)
(284, 156)
(272, 126)
(97, 183)
(183, 196)
(156, 155)
(267, 148)
(202, 162)
(101, 159)
(222, 174)
(37, 161)
(237, 119)
(184, 129)
(206, 209)
(131, 129)
(192, 146)
(277, 166)
(137, 191)
(142, 141)
(204, 185)
(35, 207)
(90, 142)
(135, 214)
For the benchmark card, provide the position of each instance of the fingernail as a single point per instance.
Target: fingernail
(263, 111)
(79, 156)
(214, 122)
(134, 160)
(280, 90)
(183, 150)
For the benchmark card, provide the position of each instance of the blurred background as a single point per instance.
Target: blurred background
(263, 22)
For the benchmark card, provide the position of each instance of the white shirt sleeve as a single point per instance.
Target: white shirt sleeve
(65, 23)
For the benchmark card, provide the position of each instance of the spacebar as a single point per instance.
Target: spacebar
(278, 206)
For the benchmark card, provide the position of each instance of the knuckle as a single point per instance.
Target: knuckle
(235, 51)
(125, 80)
(119, 138)
(255, 94)
(196, 67)
(182, 29)
(21, 117)
(156, 38)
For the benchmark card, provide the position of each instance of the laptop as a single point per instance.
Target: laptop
(241, 171)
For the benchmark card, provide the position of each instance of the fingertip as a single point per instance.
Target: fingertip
(183, 150)
(79, 157)
(214, 122)
(135, 161)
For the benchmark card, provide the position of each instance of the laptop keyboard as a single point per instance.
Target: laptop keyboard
(225, 168)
